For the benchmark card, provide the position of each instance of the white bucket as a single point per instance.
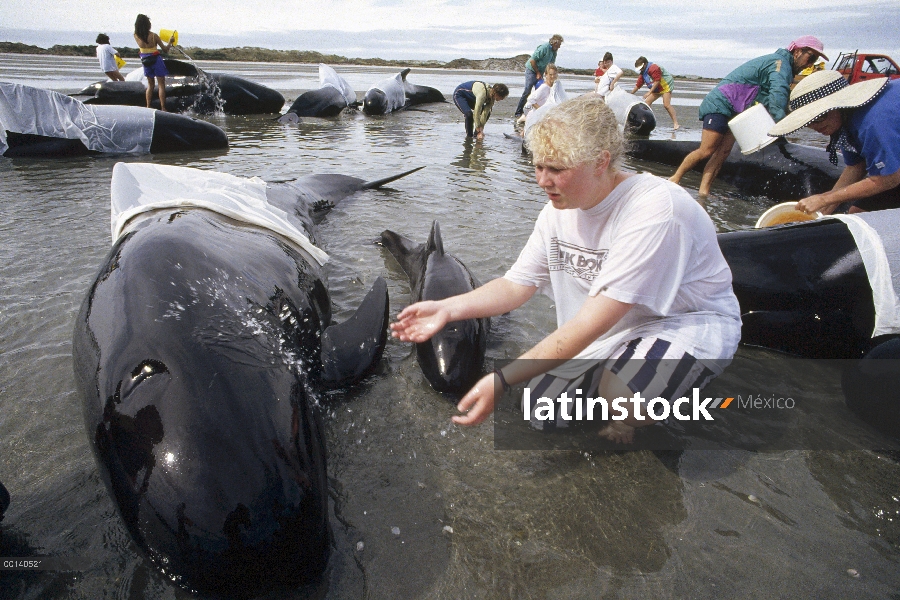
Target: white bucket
(785, 212)
(750, 128)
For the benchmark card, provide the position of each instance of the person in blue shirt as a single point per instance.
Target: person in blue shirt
(542, 56)
(861, 120)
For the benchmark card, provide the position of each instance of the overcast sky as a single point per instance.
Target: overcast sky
(698, 37)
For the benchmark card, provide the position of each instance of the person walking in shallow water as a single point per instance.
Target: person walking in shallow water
(660, 82)
(154, 67)
(107, 55)
(766, 80)
(542, 56)
(475, 99)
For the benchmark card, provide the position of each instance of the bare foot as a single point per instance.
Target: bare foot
(618, 432)
(677, 126)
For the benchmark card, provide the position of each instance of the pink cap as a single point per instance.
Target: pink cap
(808, 41)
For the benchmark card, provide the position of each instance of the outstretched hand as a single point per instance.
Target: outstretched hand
(478, 403)
(420, 321)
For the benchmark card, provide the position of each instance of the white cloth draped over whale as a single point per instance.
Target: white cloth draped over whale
(138, 189)
(621, 103)
(877, 236)
(329, 77)
(115, 129)
(394, 89)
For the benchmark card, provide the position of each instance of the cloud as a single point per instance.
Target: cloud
(686, 36)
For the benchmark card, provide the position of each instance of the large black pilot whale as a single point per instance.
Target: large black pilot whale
(781, 170)
(633, 114)
(452, 359)
(189, 88)
(828, 288)
(198, 350)
(41, 123)
(395, 93)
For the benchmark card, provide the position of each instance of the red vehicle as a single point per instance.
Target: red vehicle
(857, 66)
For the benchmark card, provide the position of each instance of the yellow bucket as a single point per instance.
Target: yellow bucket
(119, 62)
(166, 34)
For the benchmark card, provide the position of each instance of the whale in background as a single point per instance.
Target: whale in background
(781, 171)
(633, 114)
(395, 93)
(189, 88)
(41, 123)
(199, 351)
(332, 97)
(452, 359)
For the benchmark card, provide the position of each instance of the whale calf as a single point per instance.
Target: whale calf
(41, 123)
(452, 359)
(395, 93)
(781, 171)
(198, 351)
(189, 88)
(332, 97)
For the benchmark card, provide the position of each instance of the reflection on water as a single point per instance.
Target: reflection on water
(438, 512)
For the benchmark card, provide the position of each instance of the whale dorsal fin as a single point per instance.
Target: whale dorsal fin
(404, 73)
(435, 243)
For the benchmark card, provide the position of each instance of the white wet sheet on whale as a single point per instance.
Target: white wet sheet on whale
(329, 77)
(877, 236)
(112, 129)
(137, 189)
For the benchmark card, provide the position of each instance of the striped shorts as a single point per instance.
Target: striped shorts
(654, 367)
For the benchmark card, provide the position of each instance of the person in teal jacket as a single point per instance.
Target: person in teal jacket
(542, 56)
(765, 80)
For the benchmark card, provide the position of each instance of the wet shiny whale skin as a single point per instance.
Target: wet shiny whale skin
(198, 351)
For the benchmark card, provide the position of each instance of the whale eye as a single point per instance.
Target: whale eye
(146, 369)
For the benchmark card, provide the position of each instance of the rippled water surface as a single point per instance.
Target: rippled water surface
(472, 521)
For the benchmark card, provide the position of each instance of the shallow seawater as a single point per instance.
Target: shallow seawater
(473, 522)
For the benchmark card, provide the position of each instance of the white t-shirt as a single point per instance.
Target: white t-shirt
(606, 79)
(107, 56)
(648, 243)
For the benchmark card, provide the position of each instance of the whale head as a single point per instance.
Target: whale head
(640, 120)
(195, 350)
(375, 102)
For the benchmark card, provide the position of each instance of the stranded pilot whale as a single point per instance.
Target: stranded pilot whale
(189, 88)
(633, 114)
(41, 123)
(781, 170)
(452, 359)
(828, 288)
(395, 93)
(332, 97)
(198, 350)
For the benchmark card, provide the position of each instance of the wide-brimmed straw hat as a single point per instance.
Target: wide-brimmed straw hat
(821, 92)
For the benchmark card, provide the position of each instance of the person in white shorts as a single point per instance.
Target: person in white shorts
(631, 262)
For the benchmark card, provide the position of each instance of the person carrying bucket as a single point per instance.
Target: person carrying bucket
(109, 58)
(766, 80)
(154, 67)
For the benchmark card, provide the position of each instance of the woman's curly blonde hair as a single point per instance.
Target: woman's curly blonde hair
(575, 132)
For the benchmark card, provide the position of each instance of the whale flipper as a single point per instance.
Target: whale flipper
(351, 349)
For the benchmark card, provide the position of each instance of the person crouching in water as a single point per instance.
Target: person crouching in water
(475, 99)
(658, 288)
(154, 67)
